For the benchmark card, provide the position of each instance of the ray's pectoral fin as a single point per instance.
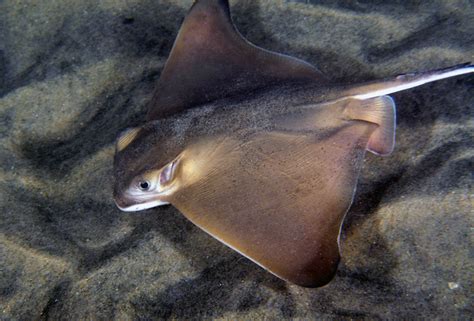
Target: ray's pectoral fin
(276, 197)
(379, 111)
(211, 60)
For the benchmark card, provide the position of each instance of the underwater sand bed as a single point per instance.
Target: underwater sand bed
(75, 75)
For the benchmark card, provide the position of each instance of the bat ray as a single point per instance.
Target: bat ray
(258, 149)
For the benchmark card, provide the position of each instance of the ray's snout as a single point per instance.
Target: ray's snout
(123, 203)
(128, 205)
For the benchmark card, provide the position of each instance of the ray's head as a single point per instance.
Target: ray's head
(145, 167)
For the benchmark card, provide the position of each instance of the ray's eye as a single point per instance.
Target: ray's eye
(144, 185)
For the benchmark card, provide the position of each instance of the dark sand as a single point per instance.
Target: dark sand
(75, 73)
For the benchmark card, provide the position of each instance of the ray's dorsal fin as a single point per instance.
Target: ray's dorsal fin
(211, 60)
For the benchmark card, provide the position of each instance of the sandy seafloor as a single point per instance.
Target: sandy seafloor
(73, 74)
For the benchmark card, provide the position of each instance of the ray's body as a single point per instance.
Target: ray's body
(258, 149)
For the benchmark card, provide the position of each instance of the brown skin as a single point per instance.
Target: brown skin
(210, 60)
(250, 172)
(273, 191)
(257, 148)
(278, 198)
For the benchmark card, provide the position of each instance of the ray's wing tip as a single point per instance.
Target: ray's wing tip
(315, 281)
(319, 275)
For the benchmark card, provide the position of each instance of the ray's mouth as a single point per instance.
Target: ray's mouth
(132, 206)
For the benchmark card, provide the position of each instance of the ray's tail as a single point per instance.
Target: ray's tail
(407, 81)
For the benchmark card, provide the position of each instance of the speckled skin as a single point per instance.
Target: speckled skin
(270, 169)
(250, 173)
